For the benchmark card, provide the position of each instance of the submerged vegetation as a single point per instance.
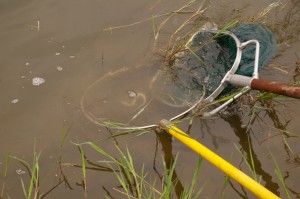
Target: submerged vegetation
(133, 180)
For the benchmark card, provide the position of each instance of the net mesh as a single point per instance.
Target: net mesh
(267, 43)
(207, 59)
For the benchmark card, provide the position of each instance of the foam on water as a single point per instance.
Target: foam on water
(37, 81)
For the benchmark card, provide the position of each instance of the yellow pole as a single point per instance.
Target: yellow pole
(243, 179)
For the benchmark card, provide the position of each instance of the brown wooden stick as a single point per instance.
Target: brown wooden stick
(276, 87)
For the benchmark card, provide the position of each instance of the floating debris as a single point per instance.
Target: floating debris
(131, 94)
(72, 56)
(57, 53)
(36, 81)
(23, 77)
(27, 63)
(14, 101)
(20, 172)
(59, 68)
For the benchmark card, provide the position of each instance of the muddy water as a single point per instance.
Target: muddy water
(52, 52)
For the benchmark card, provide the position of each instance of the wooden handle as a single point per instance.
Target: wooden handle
(276, 87)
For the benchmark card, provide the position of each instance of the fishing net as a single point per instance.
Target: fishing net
(119, 99)
(207, 58)
(267, 43)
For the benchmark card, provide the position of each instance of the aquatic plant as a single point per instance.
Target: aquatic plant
(138, 184)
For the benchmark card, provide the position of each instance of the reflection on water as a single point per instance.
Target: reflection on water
(166, 144)
(245, 141)
(52, 51)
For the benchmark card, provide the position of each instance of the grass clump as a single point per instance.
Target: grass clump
(32, 189)
(138, 184)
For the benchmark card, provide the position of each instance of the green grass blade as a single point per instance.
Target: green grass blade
(189, 192)
(249, 164)
(280, 176)
(169, 179)
(34, 175)
(83, 166)
(7, 158)
(23, 162)
(232, 23)
(99, 150)
(24, 189)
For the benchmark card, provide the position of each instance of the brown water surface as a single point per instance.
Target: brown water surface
(54, 53)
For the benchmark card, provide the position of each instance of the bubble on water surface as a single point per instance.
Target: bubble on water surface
(20, 171)
(14, 101)
(132, 94)
(59, 68)
(36, 81)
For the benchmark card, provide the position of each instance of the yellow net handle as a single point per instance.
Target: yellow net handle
(243, 179)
